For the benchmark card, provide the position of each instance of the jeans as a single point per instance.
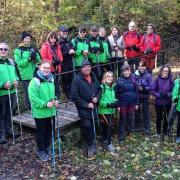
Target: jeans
(44, 132)
(126, 121)
(25, 84)
(5, 115)
(142, 120)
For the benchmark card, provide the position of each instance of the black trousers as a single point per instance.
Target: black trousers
(67, 80)
(106, 125)
(87, 130)
(134, 62)
(25, 84)
(44, 132)
(178, 125)
(5, 115)
(57, 85)
(162, 112)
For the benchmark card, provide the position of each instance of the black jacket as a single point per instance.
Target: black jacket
(82, 93)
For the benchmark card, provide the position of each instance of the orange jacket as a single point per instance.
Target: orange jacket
(47, 54)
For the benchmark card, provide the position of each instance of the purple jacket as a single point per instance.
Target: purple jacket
(144, 80)
(162, 90)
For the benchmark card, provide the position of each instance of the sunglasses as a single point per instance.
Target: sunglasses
(83, 31)
(3, 49)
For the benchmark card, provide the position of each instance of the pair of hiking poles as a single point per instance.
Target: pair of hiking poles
(11, 114)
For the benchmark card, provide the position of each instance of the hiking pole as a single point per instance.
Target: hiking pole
(59, 140)
(17, 99)
(10, 107)
(53, 145)
(109, 127)
(94, 128)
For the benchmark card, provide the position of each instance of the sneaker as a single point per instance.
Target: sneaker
(43, 156)
(3, 140)
(48, 151)
(90, 153)
(178, 139)
(110, 148)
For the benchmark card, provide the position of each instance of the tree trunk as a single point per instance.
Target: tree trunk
(56, 9)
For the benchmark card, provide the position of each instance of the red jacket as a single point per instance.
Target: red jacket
(153, 41)
(130, 38)
(46, 54)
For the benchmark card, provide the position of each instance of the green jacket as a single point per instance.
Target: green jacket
(7, 73)
(108, 96)
(105, 55)
(40, 93)
(25, 67)
(94, 43)
(79, 46)
(176, 93)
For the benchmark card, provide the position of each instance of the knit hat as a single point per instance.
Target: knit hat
(94, 28)
(125, 67)
(63, 29)
(85, 63)
(25, 34)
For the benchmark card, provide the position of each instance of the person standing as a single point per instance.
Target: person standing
(150, 45)
(126, 92)
(132, 39)
(44, 103)
(8, 83)
(162, 91)
(145, 84)
(106, 109)
(81, 47)
(26, 57)
(51, 51)
(67, 64)
(86, 93)
(176, 99)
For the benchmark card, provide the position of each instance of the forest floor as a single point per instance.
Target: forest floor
(138, 158)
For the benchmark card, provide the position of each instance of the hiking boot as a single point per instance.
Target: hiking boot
(10, 134)
(48, 152)
(3, 140)
(110, 148)
(43, 156)
(178, 139)
(90, 153)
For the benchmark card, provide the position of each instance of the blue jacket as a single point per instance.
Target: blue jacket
(126, 91)
(144, 80)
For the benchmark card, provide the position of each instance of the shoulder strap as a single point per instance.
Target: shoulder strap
(37, 80)
(11, 62)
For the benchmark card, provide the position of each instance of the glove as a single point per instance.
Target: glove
(56, 61)
(135, 48)
(176, 100)
(148, 51)
(33, 54)
(112, 105)
(95, 50)
(128, 48)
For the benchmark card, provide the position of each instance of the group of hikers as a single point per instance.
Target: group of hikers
(97, 61)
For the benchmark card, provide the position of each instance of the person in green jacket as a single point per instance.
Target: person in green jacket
(95, 51)
(26, 58)
(176, 99)
(106, 109)
(81, 47)
(41, 92)
(8, 82)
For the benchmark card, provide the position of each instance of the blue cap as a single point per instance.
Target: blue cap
(63, 29)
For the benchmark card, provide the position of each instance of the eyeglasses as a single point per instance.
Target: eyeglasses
(3, 49)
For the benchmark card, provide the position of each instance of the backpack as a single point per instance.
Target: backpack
(38, 82)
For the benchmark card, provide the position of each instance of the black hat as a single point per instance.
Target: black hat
(94, 28)
(63, 29)
(82, 28)
(25, 34)
(85, 63)
(125, 67)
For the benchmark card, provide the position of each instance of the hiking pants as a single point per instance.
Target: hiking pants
(25, 84)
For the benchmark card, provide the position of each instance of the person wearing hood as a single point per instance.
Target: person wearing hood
(162, 91)
(67, 64)
(132, 39)
(86, 93)
(126, 92)
(144, 82)
(150, 45)
(44, 103)
(8, 83)
(51, 51)
(26, 57)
